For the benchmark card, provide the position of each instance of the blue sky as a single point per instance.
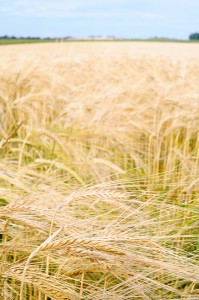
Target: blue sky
(79, 18)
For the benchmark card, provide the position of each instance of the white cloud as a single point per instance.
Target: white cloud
(38, 8)
(76, 9)
(44, 8)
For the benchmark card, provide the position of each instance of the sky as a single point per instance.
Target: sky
(81, 18)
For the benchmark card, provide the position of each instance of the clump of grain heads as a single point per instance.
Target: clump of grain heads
(99, 186)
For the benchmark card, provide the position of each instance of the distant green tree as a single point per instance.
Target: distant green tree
(4, 37)
(194, 36)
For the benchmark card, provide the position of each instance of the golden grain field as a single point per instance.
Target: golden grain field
(99, 171)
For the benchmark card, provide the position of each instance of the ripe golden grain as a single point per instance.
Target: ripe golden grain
(99, 187)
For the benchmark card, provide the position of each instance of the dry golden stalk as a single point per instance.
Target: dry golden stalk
(46, 284)
(55, 138)
(6, 140)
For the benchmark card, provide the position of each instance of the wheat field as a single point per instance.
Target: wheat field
(99, 171)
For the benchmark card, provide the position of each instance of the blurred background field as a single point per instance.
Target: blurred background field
(174, 50)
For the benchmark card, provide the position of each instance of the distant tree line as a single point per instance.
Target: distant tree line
(12, 37)
(194, 36)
